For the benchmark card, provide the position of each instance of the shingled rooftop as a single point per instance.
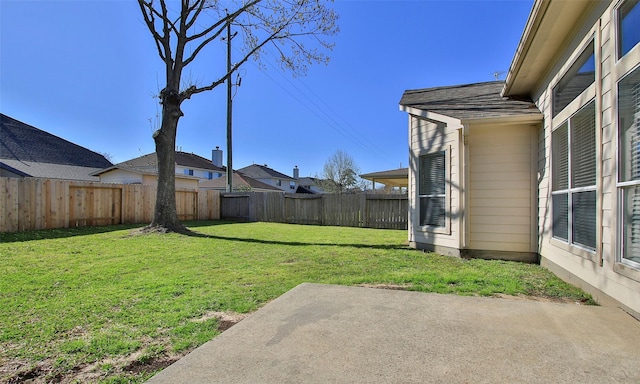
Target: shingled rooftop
(469, 101)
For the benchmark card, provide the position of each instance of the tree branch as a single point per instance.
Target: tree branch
(150, 22)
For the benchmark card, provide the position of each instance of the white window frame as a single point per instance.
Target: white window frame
(623, 66)
(446, 229)
(586, 97)
(571, 190)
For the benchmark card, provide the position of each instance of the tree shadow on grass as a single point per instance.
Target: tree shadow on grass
(47, 234)
(294, 243)
(60, 233)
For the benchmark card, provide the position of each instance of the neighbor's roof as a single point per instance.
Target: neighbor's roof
(394, 178)
(25, 143)
(263, 172)
(153, 171)
(238, 180)
(49, 170)
(468, 102)
(31, 152)
(183, 159)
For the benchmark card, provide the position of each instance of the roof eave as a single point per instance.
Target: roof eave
(522, 119)
(544, 35)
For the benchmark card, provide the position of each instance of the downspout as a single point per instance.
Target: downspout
(410, 188)
(463, 153)
(599, 138)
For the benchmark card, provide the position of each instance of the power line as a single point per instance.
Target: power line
(361, 140)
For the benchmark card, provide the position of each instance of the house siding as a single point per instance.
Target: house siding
(120, 176)
(596, 272)
(427, 136)
(501, 187)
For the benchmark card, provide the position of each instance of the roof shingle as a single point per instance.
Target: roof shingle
(263, 172)
(23, 142)
(469, 101)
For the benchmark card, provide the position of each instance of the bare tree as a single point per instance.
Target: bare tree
(296, 28)
(340, 174)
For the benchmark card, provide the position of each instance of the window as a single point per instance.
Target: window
(578, 78)
(573, 180)
(432, 190)
(279, 183)
(188, 172)
(628, 26)
(629, 166)
(209, 175)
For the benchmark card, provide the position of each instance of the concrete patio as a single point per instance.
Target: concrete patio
(334, 334)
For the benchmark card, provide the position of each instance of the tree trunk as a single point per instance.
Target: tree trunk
(165, 217)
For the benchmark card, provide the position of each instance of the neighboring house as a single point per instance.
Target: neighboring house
(270, 176)
(26, 151)
(240, 183)
(309, 185)
(190, 169)
(391, 178)
(545, 165)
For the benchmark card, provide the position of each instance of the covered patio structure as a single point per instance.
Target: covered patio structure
(392, 178)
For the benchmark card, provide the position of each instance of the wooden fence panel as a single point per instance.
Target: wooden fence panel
(387, 211)
(209, 205)
(187, 204)
(272, 207)
(9, 214)
(343, 210)
(303, 209)
(235, 206)
(94, 204)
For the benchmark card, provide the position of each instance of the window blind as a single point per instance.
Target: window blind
(583, 147)
(432, 190)
(629, 114)
(560, 166)
(584, 218)
(432, 180)
(561, 216)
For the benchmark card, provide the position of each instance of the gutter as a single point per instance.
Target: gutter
(531, 29)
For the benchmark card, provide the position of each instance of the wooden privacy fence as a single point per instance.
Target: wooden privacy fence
(349, 210)
(30, 204)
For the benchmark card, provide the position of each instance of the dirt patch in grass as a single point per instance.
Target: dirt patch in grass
(134, 365)
(226, 320)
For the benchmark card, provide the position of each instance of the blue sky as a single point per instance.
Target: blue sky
(87, 71)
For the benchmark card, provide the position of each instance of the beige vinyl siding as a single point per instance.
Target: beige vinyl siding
(429, 137)
(607, 138)
(501, 187)
(594, 272)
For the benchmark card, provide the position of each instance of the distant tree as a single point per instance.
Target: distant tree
(107, 156)
(340, 174)
(180, 35)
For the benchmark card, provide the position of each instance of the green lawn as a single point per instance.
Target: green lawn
(102, 304)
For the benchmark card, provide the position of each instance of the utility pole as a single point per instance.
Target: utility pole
(229, 112)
